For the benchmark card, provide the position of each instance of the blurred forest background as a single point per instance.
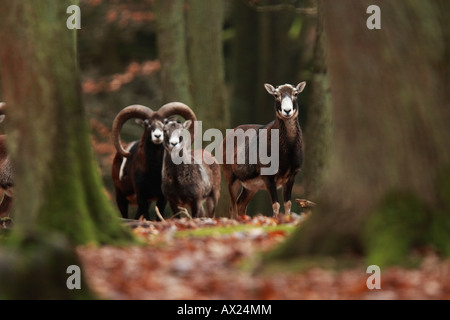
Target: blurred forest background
(375, 112)
(214, 56)
(378, 139)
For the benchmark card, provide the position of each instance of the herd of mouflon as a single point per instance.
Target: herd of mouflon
(162, 166)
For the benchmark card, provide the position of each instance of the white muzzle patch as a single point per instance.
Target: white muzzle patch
(157, 136)
(287, 107)
(174, 141)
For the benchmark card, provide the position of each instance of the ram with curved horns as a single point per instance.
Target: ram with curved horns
(137, 166)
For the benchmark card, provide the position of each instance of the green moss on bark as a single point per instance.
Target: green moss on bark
(60, 199)
(439, 234)
(398, 224)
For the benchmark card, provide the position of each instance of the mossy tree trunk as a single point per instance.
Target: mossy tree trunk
(388, 184)
(57, 184)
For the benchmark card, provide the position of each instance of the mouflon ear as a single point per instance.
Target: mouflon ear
(301, 86)
(187, 124)
(142, 123)
(270, 89)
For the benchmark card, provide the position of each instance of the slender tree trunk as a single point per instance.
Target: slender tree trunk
(262, 110)
(318, 131)
(388, 184)
(58, 187)
(245, 65)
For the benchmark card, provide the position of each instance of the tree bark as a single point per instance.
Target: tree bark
(390, 162)
(172, 51)
(319, 127)
(59, 194)
(204, 22)
(206, 64)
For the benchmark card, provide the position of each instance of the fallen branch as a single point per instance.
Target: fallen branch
(6, 223)
(182, 211)
(159, 214)
(305, 203)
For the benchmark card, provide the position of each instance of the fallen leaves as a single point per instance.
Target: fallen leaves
(185, 258)
(218, 258)
(210, 227)
(116, 81)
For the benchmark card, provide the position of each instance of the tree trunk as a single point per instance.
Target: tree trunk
(204, 21)
(172, 51)
(206, 63)
(388, 183)
(57, 184)
(318, 130)
(245, 65)
(191, 54)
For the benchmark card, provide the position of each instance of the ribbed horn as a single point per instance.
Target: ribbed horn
(134, 111)
(179, 108)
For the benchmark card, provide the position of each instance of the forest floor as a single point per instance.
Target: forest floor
(221, 259)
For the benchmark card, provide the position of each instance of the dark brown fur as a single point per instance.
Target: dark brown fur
(141, 180)
(248, 176)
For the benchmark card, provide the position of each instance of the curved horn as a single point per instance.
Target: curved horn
(178, 108)
(134, 111)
